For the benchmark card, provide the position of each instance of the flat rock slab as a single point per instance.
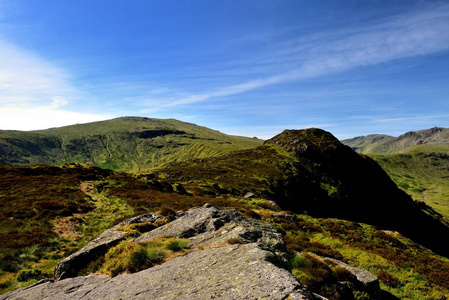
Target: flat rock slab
(193, 222)
(228, 272)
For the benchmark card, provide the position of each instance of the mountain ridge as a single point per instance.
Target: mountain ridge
(125, 143)
(383, 144)
(311, 171)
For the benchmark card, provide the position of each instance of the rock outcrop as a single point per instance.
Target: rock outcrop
(71, 265)
(366, 281)
(235, 258)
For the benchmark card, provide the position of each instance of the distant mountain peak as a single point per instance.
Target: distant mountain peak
(424, 133)
(386, 144)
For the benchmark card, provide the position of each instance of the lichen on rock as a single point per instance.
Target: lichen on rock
(217, 269)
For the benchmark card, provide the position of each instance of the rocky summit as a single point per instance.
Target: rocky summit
(231, 257)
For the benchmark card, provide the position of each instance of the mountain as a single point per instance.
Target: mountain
(381, 144)
(122, 144)
(325, 200)
(311, 171)
(417, 161)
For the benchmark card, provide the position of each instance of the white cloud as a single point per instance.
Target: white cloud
(42, 118)
(420, 32)
(415, 119)
(28, 79)
(33, 91)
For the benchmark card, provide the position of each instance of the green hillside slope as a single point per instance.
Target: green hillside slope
(423, 173)
(417, 161)
(311, 171)
(127, 143)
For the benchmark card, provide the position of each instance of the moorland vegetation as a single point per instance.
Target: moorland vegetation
(338, 204)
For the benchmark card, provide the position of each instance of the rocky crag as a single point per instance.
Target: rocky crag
(231, 257)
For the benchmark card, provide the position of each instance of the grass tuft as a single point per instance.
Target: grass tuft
(176, 244)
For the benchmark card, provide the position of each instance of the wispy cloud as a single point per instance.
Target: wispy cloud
(422, 31)
(34, 92)
(26, 79)
(425, 118)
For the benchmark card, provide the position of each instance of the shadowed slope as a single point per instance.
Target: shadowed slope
(358, 189)
(417, 161)
(310, 170)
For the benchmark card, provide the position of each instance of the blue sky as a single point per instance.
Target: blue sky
(249, 68)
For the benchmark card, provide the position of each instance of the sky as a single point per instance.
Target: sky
(243, 67)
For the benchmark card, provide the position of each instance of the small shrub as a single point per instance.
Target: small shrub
(359, 295)
(26, 275)
(144, 258)
(301, 262)
(155, 255)
(117, 270)
(343, 274)
(6, 280)
(8, 264)
(387, 278)
(176, 244)
(180, 189)
(138, 260)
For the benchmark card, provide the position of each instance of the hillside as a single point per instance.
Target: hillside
(311, 171)
(417, 162)
(322, 197)
(128, 143)
(382, 144)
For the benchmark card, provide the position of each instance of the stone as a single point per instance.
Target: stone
(273, 203)
(366, 280)
(287, 217)
(249, 195)
(238, 271)
(214, 269)
(193, 222)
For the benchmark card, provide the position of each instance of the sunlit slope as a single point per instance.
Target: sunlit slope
(383, 144)
(423, 173)
(127, 143)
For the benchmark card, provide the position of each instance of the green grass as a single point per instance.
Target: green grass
(45, 216)
(404, 268)
(131, 257)
(423, 173)
(176, 244)
(129, 143)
